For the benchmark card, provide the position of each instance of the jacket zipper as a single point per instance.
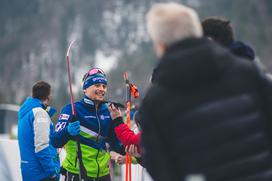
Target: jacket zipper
(97, 138)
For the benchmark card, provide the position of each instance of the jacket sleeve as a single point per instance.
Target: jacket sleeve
(115, 144)
(41, 126)
(124, 134)
(61, 135)
(266, 92)
(153, 143)
(267, 83)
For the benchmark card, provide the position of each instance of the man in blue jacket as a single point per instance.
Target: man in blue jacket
(39, 159)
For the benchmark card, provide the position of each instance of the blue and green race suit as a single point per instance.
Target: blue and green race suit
(94, 133)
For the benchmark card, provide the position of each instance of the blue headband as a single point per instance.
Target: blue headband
(94, 79)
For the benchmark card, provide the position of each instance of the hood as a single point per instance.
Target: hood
(28, 105)
(31, 103)
(190, 63)
(241, 49)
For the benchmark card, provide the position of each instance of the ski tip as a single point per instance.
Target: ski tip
(69, 47)
(125, 75)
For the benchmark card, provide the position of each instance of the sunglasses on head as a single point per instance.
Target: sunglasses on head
(92, 72)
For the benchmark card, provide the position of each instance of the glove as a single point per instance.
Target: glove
(74, 128)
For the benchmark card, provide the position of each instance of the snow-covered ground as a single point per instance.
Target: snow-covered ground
(9, 160)
(10, 163)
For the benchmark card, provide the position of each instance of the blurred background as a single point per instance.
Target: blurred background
(111, 34)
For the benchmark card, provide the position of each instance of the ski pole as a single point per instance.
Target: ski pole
(130, 89)
(82, 171)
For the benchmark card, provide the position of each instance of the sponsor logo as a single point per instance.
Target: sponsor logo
(104, 117)
(64, 117)
(59, 126)
(89, 116)
(98, 79)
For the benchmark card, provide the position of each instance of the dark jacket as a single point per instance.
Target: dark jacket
(207, 113)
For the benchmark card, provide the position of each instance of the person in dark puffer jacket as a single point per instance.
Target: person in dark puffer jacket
(207, 111)
(220, 30)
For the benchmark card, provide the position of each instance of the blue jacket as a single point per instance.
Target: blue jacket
(94, 133)
(39, 159)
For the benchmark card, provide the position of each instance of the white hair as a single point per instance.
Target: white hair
(171, 22)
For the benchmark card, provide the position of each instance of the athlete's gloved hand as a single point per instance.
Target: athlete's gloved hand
(74, 128)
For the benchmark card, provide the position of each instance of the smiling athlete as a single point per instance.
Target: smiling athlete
(92, 125)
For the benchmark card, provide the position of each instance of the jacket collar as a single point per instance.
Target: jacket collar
(31, 103)
(191, 62)
(90, 103)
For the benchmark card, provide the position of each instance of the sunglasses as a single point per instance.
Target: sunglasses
(92, 72)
